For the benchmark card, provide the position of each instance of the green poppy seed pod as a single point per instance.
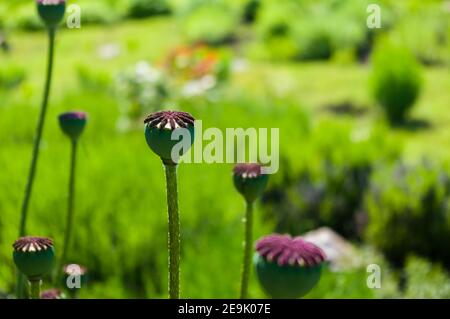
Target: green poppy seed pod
(72, 124)
(286, 267)
(34, 256)
(249, 181)
(162, 126)
(51, 11)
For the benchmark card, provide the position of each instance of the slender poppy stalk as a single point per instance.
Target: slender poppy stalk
(34, 257)
(159, 129)
(250, 182)
(51, 12)
(72, 124)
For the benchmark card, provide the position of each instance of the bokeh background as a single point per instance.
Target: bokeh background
(367, 182)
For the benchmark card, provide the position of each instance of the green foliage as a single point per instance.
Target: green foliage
(210, 23)
(425, 31)
(92, 79)
(329, 187)
(250, 10)
(25, 17)
(409, 212)
(97, 12)
(312, 31)
(425, 280)
(146, 8)
(11, 76)
(396, 81)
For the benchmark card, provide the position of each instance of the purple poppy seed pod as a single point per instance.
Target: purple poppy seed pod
(158, 133)
(249, 180)
(51, 11)
(52, 293)
(73, 123)
(34, 256)
(288, 267)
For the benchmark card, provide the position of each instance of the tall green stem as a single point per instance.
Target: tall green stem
(70, 204)
(174, 231)
(248, 240)
(35, 155)
(35, 288)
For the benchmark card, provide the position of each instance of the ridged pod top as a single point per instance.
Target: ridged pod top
(247, 170)
(169, 120)
(32, 244)
(50, 2)
(286, 250)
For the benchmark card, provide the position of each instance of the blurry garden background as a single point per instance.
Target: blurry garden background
(351, 159)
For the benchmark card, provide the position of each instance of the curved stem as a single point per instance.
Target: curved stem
(70, 204)
(174, 231)
(35, 288)
(248, 240)
(35, 155)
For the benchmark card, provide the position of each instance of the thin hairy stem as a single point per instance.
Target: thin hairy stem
(174, 231)
(35, 156)
(248, 240)
(70, 204)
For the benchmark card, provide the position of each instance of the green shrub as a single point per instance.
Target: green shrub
(26, 18)
(396, 81)
(250, 10)
(329, 187)
(425, 280)
(97, 12)
(92, 79)
(426, 32)
(312, 30)
(11, 76)
(146, 8)
(211, 23)
(314, 40)
(409, 212)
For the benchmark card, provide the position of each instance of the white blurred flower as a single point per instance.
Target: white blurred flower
(199, 86)
(239, 65)
(208, 82)
(146, 73)
(109, 51)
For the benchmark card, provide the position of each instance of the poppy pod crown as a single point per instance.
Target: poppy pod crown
(159, 128)
(33, 256)
(249, 180)
(51, 11)
(288, 267)
(285, 250)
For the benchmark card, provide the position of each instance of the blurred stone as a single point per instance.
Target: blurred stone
(341, 254)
